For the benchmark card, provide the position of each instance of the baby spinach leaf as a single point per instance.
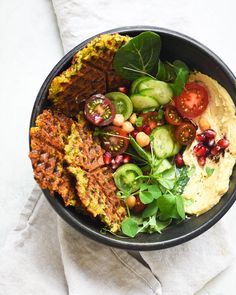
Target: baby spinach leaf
(129, 227)
(138, 57)
(150, 210)
(180, 80)
(146, 197)
(165, 72)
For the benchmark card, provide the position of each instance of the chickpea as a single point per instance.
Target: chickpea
(133, 118)
(142, 139)
(127, 127)
(204, 124)
(131, 201)
(118, 120)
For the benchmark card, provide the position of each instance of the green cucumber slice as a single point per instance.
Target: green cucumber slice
(159, 90)
(134, 86)
(163, 142)
(142, 102)
(176, 149)
(122, 103)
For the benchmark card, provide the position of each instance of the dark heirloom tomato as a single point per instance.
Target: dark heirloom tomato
(185, 133)
(99, 110)
(151, 120)
(172, 116)
(193, 101)
(114, 140)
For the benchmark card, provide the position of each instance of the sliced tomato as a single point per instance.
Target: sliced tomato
(151, 120)
(172, 116)
(185, 133)
(193, 101)
(99, 110)
(114, 140)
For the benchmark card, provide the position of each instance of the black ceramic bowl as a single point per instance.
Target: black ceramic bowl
(196, 56)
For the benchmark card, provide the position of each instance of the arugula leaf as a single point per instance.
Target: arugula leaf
(138, 57)
(209, 171)
(129, 227)
(146, 197)
(150, 210)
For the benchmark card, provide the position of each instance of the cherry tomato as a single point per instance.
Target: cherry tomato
(99, 110)
(139, 206)
(193, 101)
(185, 133)
(172, 116)
(114, 140)
(151, 119)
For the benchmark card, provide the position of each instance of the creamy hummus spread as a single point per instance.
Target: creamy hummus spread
(205, 191)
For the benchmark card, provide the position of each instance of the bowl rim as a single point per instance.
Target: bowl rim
(68, 216)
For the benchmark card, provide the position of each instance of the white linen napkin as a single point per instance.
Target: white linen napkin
(44, 255)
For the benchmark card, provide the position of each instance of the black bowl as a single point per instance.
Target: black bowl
(197, 56)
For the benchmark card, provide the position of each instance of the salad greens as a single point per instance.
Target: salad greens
(140, 57)
(161, 193)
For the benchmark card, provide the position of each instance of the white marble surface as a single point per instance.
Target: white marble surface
(30, 46)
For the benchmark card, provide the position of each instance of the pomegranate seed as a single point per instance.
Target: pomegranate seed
(115, 166)
(223, 143)
(122, 89)
(107, 158)
(201, 161)
(210, 133)
(215, 150)
(210, 142)
(160, 123)
(179, 161)
(200, 150)
(127, 159)
(119, 159)
(200, 137)
(147, 129)
(134, 133)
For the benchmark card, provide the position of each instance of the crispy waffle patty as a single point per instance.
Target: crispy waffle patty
(90, 73)
(94, 181)
(97, 193)
(48, 139)
(67, 159)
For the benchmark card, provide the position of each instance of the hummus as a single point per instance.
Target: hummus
(205, 191)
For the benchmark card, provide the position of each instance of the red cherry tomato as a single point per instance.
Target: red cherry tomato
(185, 133)
(193, 101)
(99, 110)
(172, 116)
(114, 140)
